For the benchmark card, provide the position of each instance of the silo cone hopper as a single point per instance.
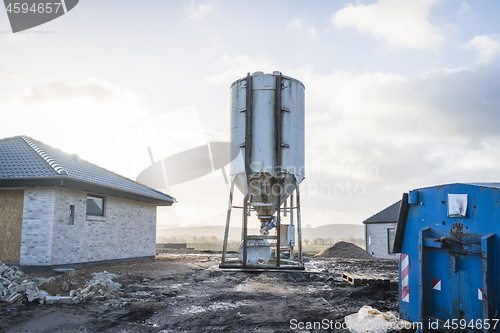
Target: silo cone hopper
(267, 126)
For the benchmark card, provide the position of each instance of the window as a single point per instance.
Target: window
(391, 234)
(71, 215)
(95, 205)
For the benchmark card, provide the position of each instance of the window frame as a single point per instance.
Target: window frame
(390, 250)
(103, 205)
(71, 217)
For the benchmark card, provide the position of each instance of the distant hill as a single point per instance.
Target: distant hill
(334, 231)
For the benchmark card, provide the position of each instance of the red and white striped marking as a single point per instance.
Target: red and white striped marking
(436, 284)
(480, 294)
(405, 287)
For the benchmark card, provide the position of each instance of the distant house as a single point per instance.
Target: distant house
(380, 231)
(56, 209)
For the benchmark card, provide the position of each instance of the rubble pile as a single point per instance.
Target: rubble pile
(14, 286)
(101, 286)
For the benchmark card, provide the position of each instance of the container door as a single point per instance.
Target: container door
(452, 277)
(442, 284)
(455, 287)
(470, 292)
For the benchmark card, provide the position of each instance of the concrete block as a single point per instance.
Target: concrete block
(52, 299)
(31, 286)
(12, 290)
(6, 279)
(31, 295)
(42, 294)
(65, 300)
(86, 290)
(13, 298)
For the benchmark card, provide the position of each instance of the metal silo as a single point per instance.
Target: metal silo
(267, 124)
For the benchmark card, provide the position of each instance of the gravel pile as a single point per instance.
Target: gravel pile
(345, 250)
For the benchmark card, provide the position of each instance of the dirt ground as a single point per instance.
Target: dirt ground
(187, 292)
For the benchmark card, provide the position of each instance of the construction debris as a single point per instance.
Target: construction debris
(182, 292)
(370, 320)
(357, 279)
(13, 286)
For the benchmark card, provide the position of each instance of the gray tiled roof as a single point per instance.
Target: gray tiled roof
(388, 215)
(24, 158)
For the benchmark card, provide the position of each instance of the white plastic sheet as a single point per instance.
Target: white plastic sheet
(370, 320)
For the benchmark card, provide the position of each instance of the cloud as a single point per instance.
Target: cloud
(49, 89)
(487, 46)
(199, 11)
(464, 8)
(298, 25)
(92, 118)
(372, 136)
(400, 23)
(443, 106)
(231, 68)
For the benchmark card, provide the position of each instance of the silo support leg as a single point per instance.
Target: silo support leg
(228, 219)
(299, 223)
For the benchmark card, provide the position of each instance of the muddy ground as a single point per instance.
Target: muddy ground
(187, 292)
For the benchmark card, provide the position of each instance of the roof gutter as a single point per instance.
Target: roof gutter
(72, 183)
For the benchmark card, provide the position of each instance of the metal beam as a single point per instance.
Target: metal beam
(278, 170)
(228, 219)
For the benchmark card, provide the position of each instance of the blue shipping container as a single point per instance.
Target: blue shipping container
(447, 236)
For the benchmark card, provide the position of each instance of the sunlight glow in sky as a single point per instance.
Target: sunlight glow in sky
(400, 94)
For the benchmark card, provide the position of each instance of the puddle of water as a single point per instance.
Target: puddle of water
(194, 309)
(140, 294)
(178, 285)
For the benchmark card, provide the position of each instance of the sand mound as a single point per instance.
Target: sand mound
(345, 250)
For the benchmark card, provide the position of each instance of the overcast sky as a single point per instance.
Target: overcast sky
(400, 94)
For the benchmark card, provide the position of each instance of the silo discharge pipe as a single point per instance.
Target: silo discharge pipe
(264, 231)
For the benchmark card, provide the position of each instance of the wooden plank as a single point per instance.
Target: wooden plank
(356, 279)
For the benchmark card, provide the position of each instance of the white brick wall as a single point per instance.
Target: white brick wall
(379, 247)
(38, 219)
(128, 229)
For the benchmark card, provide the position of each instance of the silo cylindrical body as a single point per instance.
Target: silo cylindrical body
(263, 135)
